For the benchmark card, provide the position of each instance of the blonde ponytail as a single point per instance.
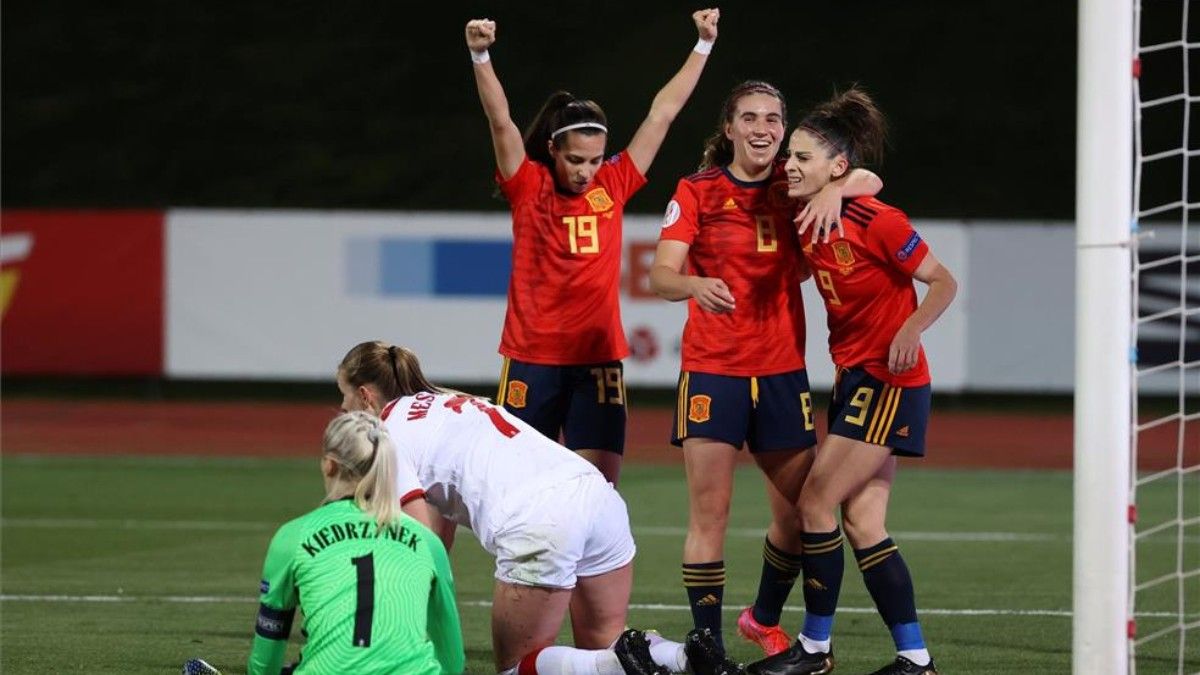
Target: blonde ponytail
(362, 448)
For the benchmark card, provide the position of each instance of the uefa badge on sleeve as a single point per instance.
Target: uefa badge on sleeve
(909, 246)
(672, 214)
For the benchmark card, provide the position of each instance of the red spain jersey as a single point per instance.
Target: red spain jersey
(563, 296)
(741, 233)
(865, 278)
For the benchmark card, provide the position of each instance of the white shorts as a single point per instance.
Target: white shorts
(578, 528)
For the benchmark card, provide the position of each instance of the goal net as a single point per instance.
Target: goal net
(1164, 488)
(1136, 567)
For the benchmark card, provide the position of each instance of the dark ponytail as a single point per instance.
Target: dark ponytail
(559, 110)
(849, 123)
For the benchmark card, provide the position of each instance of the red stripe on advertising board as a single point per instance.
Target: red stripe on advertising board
(82, 292)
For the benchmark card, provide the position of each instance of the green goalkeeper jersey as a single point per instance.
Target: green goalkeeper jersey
(375, 600)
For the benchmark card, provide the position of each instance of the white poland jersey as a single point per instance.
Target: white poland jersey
(475, 461)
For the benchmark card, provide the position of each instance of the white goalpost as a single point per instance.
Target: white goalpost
(1137, 370)
(1103, 212)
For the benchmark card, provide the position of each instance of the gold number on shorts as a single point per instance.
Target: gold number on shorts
(807, 407)
(826, 281)
(609, 387)
(767, 241)
(862, 401)
(582, 230)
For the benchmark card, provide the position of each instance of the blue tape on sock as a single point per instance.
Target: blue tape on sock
(818, 627)
(908, 636)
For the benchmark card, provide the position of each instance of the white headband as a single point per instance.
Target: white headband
(580, 125)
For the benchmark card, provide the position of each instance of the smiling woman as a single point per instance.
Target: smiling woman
(743, 377)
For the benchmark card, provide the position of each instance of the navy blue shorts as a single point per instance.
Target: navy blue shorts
(867, 409)
(774, 412)
(584, 406)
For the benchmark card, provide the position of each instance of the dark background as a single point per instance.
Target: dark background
(372, 105)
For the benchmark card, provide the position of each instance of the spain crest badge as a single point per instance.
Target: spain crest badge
(516, 394)
(599, 200)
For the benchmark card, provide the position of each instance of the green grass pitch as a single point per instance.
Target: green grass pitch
(134, 564)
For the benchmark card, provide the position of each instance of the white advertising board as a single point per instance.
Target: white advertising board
(284, 294)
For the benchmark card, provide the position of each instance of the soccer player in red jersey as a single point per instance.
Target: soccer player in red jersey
(563, 340)
(728, 247)
(881, 397)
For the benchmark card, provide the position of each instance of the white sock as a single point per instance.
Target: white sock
(920, 657)
(814, 646)
(667, 653)
(561, 660)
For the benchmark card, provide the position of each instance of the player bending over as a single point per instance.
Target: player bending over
(558, 530)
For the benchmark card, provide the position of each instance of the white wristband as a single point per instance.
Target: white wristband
(703, 46)
(480, 57)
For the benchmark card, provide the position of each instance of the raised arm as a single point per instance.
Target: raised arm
(506, 137)
(902, 354)
(670, 99)
(824, 210)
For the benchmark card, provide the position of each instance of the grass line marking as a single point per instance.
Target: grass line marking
(644, 531)
(654, 607)
(135, 524)
(641, 531)
(758, 533)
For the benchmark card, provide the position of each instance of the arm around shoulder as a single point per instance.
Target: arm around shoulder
(823, 210)
(861, 183)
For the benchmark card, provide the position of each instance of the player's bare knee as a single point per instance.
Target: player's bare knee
(600, 635)
(709, 526)
(788, 525)
(863, 527)
(815, 505)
